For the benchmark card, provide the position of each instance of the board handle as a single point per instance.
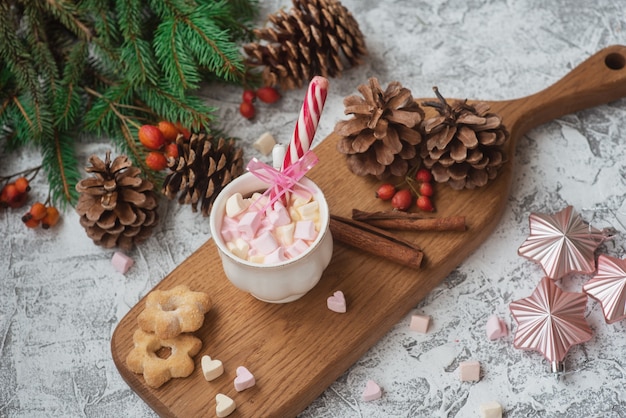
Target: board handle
(598, 80)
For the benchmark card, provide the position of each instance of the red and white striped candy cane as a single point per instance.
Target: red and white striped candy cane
(307, 121)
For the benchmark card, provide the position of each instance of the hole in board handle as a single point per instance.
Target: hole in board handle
(615, 61)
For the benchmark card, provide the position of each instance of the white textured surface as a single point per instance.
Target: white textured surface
(60, 298)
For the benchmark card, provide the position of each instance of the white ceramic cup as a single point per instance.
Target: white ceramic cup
(280, 282)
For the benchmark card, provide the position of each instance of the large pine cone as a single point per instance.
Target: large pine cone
(382, 137)
(205, 165)
(315, 38)
(117, 207)
(464, 144)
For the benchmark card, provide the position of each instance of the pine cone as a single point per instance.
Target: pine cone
(464, 144)
(382, 137)
(315, 38)
(116, 206)
(205, 165)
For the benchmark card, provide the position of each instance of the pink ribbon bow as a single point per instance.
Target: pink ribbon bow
(284, 181)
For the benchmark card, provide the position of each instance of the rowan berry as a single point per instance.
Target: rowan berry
(426, 189)
(171, 150)
(169, 130)
(423, 175)
(386, 191)
(424, 203)
(248, 96)
(247, 110)
(268, 94)
(52, 217)
(402, 200)
(37, 211)
(22, 184)
(156, 160)
(151, 137)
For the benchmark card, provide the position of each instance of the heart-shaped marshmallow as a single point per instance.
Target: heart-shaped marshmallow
(224, 405)
(372, 391)
(337, 302)
(211, 368)
(244, 379)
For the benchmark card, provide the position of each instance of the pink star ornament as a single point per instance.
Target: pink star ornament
(550, 321)
(608, 286)
(562, 243)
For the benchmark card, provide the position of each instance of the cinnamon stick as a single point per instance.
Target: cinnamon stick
(375, 241)
(409, 221)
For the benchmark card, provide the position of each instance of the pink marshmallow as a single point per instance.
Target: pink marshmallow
(249, 224)
(305, 230)
(279, 216)
(469, 371)
(419, 323)
(121, 262)
(297, 248)
(275, 256)
(264, 243)
(496, 328)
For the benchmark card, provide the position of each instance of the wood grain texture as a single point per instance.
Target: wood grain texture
(298, 349)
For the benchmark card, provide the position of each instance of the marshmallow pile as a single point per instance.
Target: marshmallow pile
(262, 233)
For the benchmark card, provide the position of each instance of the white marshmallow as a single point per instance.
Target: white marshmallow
(309, 211)
(284, 233)
(235, 204)
(265, 143)
(239, 247)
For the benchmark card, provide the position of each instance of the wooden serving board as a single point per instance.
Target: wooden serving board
(297, 350)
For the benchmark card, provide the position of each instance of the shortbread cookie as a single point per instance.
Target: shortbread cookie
(144, 357)
(171, 312)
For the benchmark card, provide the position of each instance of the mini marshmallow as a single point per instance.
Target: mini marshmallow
(293, 214)
(279, 216)
(337, 302)
(264, 243)
(229, 229)
(469, 371)
(491, 409)
(302, 198)
(239, 247)
(309, 211)
(224, 406)
(265, 143)
(256, 258)
(275, 256)
(284, 234)
(371, 392)
(419, 323)
(235, 204)
(278, 155)
(244, 379)
(496, 328)
(305, 230)
(211, 368)
(249, 224)
(297, 248)
(258, 201)
(121, 262)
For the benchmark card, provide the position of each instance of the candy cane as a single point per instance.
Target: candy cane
(307, 121)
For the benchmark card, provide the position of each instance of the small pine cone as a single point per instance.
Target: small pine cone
(205, 165)
(464, 144)
(117, 207)
(383, 136)
(315, 38)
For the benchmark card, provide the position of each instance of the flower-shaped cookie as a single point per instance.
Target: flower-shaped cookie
(170, 312)
(144, 357)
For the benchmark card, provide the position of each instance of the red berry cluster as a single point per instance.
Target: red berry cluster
(265, 94)
(41, 214)
(14, 194)
(420, 190)
(161, 140)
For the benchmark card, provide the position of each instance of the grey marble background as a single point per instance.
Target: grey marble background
(60, 298)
